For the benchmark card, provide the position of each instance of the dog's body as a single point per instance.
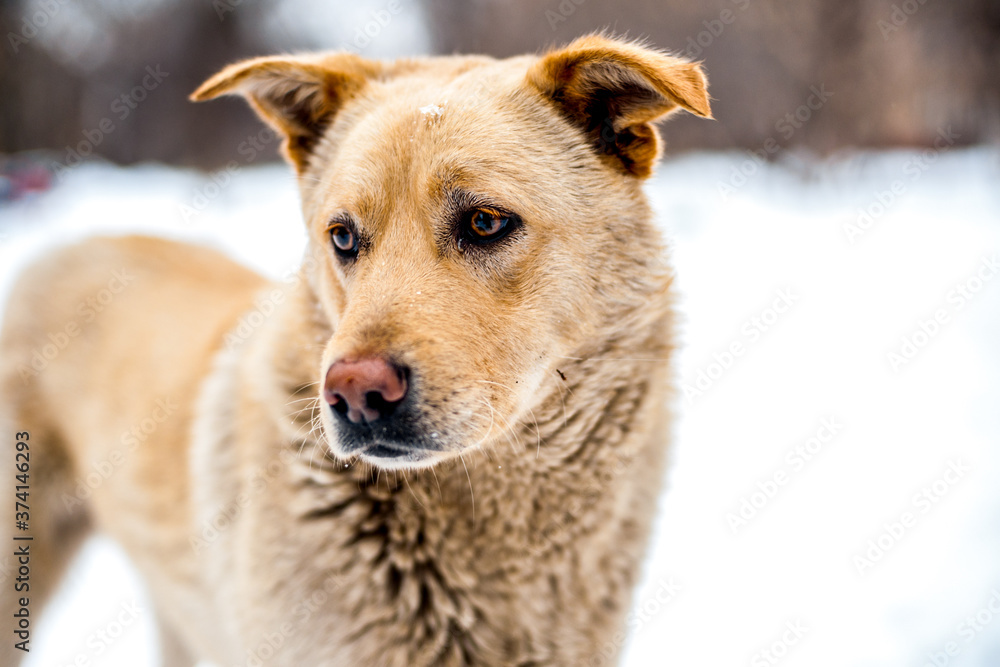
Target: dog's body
(497, 512)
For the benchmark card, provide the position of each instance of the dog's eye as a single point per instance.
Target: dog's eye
(483, 225)
(344, 240)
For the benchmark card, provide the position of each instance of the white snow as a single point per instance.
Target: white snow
(372, 28)
(770, 268)
(432, 112)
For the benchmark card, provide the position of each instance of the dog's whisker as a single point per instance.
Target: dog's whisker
(310, 399)
(438, 482)
(489, 430)
(312, 456)
(413, 494)
(314, 424)
(516, 443)
(294, 416)
(472, 494)
(512, 427)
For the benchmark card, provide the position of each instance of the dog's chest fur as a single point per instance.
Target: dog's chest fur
(525, 555)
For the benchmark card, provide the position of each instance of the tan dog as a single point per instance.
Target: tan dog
(442, 445)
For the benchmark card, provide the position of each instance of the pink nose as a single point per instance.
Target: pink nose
(364, 390)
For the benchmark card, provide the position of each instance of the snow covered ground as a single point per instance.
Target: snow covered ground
(834, 497)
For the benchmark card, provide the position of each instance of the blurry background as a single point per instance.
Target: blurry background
(876, 213)
(899, 70)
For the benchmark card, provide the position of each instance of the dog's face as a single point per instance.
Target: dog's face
(476, 222)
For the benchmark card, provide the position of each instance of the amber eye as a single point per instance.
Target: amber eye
(483, 226)
(344, 240)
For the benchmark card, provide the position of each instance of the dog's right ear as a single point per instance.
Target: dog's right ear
(297, 95)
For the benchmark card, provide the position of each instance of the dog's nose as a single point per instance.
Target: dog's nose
(364, 390)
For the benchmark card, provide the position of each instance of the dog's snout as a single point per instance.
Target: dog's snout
(364, 390)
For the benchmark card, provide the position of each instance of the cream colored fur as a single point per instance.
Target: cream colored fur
(541, 373)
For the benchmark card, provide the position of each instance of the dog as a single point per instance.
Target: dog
(443, 442)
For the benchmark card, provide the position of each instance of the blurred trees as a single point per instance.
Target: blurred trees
(899, 71)
(83, 71)
(815, 74)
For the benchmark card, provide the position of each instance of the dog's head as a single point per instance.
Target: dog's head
(478, 221)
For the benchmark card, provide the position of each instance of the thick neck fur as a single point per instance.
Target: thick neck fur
(545, 523)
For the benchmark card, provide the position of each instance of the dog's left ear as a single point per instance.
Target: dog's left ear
(298, 96)
(615, 90)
